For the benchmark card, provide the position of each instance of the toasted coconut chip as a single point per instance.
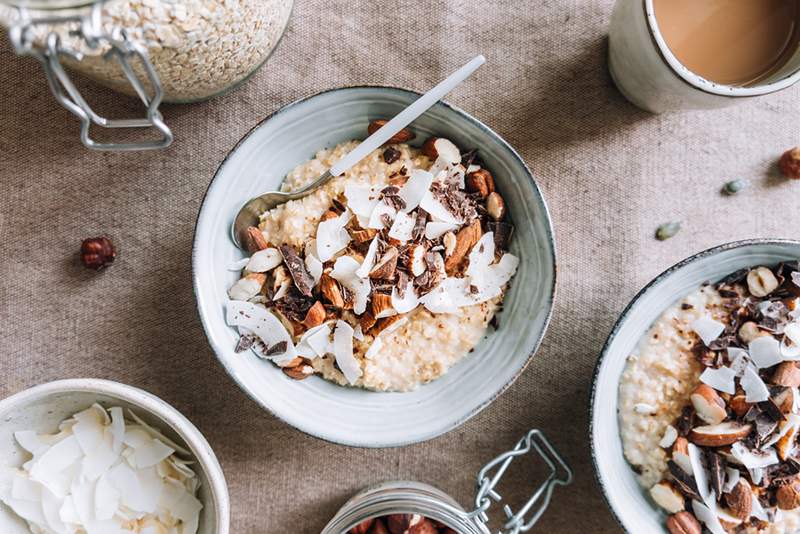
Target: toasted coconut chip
(358, 333)
(320, 340)
(408, 302)
(754, 388)
(707, 328)
(403, 227)
(369, 259)
(435, 230)
(752, 459)
(739, 360)
(238, 265)
(437, 210)
(732, 477)
(374, 348)
(378, 216)
(262, 323)
(343, 351)
(361, 199)
(480, 257)
(264, 260)
(419, 182)
(313, 263)
(758, 510)
(332, 236)
(305, 349)
(721, 379)
(765, 351)
(790, 345)
(708, 516)
(344, 271)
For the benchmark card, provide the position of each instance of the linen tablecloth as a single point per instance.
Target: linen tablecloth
(610, 174)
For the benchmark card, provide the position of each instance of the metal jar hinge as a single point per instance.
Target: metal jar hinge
(122, 49)
(529, 514)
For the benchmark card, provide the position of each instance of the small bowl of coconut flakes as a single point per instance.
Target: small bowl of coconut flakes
(96, 456)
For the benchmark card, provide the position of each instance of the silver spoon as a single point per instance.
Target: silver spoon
(250, 213)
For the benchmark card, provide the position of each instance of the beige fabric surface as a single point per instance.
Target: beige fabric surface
(610, 174)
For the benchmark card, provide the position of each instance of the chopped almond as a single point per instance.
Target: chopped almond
(255, 240)
(315, 315)
(465, 240)
(331, 291)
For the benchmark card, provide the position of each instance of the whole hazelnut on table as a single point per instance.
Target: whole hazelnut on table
(97, 253)
(790, 163)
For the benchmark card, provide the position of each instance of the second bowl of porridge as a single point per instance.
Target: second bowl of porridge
(398, 300)
(696, 406)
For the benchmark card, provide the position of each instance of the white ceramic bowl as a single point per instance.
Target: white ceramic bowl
(42, 408)
(353, 416)
(628, 501)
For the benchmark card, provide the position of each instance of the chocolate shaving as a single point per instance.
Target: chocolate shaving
(245, 342)
(685, 482)
(455, 200)
(278, 348)
(723, 342)
(685, 422)
(293, 305)
(686, 306)
(419, 225)
(469, 157)
(391, 154)
(502, 233)
(389, 195)
(772, 410)
(386, 220)
(764, 427)
(716, 468)
(303, 281)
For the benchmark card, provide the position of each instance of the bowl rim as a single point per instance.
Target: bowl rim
(179, 423)
(549, 233)
(731, 245)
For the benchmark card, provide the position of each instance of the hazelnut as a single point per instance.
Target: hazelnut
(399, 523)
(403, 136)
(761, 282)
(788, 495)
(683, 523)
(477, 182)
(97, 253)
(749, 331)
(495, 206)
(708, 404)
(740, 500)
(299, 372)
(790, 163)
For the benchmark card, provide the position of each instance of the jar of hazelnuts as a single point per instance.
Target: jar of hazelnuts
(407, 507)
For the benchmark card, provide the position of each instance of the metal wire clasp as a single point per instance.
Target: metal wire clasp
(560, 475)
(122, 49)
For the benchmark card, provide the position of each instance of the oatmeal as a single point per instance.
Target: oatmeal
(385, 277)
(709, 407)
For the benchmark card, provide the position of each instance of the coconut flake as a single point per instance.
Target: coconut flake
(435, 229)
(344, 271)
(332, 236)
(361, 199)
(753, 459)
(732, 477)
(403, 227)
(700, 474)
(437, 210)
(790, 345)
(374, 348)
(408, 302)
(765, 351)
(343, 351)
(447, 151)
(376, 217)
(358, 333)
(792, 422)
(417, 185)
(369, 259)
(757, 509)
(238, 265)
(754, 387)
(739, 360)
(721, 379)
(708, 516)
(670, 435)
(264, 260)
(263, 324)
(320, 340)
(313, 264)
(707, 328)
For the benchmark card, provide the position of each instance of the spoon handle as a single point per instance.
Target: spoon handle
(406, 117)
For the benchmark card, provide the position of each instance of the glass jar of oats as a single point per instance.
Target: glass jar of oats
(401, 505)
(159, 50)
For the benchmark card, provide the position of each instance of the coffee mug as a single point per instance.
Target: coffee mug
(649, 74)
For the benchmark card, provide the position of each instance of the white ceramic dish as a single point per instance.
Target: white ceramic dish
(42, 408)
(352, 416)
(628, 501)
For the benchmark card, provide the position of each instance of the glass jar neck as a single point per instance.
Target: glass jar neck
(50, 5)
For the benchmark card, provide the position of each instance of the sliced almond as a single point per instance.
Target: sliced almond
(362, 236)
(708, 404)
(740, 500)
(315, 315)
(385, 267)
(465, 240)
(331, 291)
(667, 497)
(449, 242)
(382, 305)
(294, 362)
(416, 260)
(787, 374)
(255, 240)
(247, 287)
(403, 136)
(680, 454)
(719, 435)
(300, 372)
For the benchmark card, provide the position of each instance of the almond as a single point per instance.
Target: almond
(416, 260)
(785, 400)
(667, 497)
(423, 527)
(255, 240)
(331, 291)
(438, 147)
(465, 240)
(786, 444)
(449, 242)
(382, 305)
(294, 362)
(708, 404)
(719, 435)
(739, 405)
(788, 495)
(680, 454)
(362, 236)
(683, 523)
(385, 267)
(383, 324)
(367, 321)
(787, 374)
(328, 215)
(495, 206)
(750, 331)
(315, 315)
(300, 372)
(740, 500)
(475, 182)
(403, 136)
(248, 286)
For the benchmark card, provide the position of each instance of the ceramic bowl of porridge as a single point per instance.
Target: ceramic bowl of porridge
(397, 301)
(695, 402)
